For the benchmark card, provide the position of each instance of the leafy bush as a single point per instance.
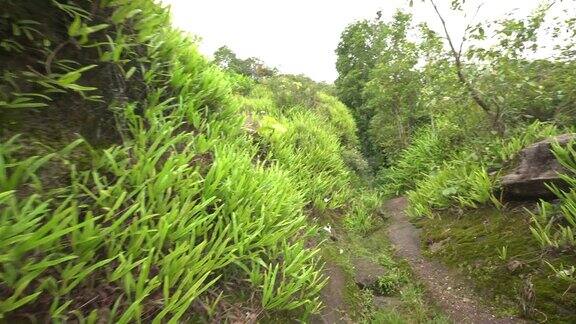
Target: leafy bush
(457, 183)
(391, 282)
(241, 84)
(340, 118)
(356, 161)
(312, 142)
(505, 150)
(312, 154)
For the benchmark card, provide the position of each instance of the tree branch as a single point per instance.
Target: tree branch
(459, 67)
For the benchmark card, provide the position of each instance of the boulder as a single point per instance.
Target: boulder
(537, 167)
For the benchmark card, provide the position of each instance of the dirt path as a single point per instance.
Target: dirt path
(332, 297)
(448, 290)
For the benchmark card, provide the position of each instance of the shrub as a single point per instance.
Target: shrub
(391, 282)
(458, 183)
(443, 168)
(355, 161)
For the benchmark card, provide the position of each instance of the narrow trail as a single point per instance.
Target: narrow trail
(449, 291)
(332, 296)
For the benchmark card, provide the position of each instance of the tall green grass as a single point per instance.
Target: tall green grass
(446, 167)
(290, 135)
(192, 211)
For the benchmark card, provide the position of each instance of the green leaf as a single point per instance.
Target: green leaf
(74, 28)
(130, 72)
(23, 105)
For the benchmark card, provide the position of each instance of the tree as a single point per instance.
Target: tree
(393, 89)
(251, 67)
(500, 70)
(360, 45)
(379, 80)
(397, 77)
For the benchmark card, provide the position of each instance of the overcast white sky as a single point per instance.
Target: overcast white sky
(300, 36)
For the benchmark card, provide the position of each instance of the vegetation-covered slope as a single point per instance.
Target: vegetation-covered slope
(139, 182)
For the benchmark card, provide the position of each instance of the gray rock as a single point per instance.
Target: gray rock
(367, 273)
(537, 167)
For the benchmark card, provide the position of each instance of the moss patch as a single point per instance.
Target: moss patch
(474, 244)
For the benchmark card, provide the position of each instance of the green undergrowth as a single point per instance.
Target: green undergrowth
(444, 169)
(403, 296)
(479, 238)
(554, 226)
(141, 183)
(497, 251)
(449, 165)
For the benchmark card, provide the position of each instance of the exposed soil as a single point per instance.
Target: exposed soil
(449, 291)
(333, 297)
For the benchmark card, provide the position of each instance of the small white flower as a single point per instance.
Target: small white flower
(341, 251)
(328, 228)
(327, 199)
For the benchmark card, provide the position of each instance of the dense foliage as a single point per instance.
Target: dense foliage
(251, 67)
(441, 121)
(555, 226)
(398, 78)
(141, 183)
